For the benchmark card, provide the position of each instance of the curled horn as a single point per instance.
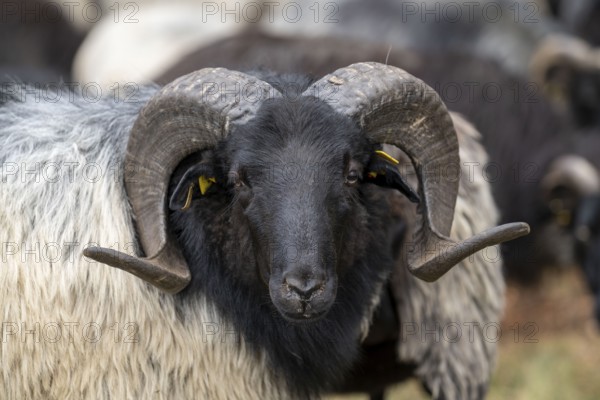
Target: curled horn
(190, 114)
(562, 50)
(394, 107)
(573, 172)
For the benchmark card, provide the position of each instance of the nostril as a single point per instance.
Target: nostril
(304, 286)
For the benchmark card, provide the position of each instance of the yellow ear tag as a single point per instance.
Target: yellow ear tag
(372, 175)
(188, 200)
(563, 217)
(387, 157)
(205, 183)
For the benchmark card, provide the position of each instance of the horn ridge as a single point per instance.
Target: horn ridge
(394, 107)
(191, 114)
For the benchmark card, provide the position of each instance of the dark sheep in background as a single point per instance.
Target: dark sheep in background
(37, 42)
(580, 17)
(510, 33)
(507, 32)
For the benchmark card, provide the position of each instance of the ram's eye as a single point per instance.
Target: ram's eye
(237, 180)
(239, 183)
(352, 177)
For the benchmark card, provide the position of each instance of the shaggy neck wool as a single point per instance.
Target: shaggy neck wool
(311, 357)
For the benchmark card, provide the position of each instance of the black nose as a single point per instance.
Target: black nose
(304, 284)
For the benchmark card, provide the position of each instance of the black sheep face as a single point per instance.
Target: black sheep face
(295, 171)
(298, 178)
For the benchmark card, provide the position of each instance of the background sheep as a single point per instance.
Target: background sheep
(171, 29)
(580, 17)
(37, 43)
(521, 36)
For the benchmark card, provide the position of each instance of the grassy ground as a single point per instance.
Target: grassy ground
(555, 357)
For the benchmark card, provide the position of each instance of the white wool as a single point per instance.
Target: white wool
(81, 330)
(467, 301)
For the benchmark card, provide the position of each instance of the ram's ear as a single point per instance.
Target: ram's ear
(383, 171)
(196, 180)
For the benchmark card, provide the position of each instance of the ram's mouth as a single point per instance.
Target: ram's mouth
(306, 316)
(300, 311)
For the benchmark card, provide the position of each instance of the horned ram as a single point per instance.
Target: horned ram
(549, 188)
(270, 282)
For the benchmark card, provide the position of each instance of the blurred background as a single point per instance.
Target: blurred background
(526, 73)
